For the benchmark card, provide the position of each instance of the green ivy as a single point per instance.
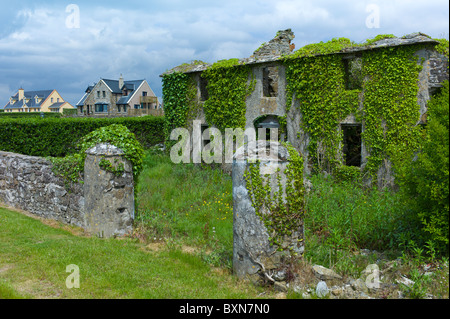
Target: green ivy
(175, 87)
(281, 214)
(71, 167)
(391, 110)
(117, 170)
(316, 79)
(119, 136)
(378, 38)
(228, 87)
(318, 83)
(321, 48)
(442, 47)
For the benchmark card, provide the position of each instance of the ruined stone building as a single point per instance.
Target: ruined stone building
(339, 103)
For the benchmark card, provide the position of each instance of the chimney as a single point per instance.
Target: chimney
(21, 94)
(120, 82)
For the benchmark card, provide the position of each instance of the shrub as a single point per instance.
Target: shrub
(347, 173)
(424, 181)
(29, 115)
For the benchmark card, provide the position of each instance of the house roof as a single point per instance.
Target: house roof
(130, 85)
(113, 85)
(81, 101)
(31, 95)
(56, 105)
(410, 39)
(123, 100)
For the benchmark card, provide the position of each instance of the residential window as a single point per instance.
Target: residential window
(101, 108)
(51, 100)
(144, 93)
(352, 144)
(104, 94)
(98, 93)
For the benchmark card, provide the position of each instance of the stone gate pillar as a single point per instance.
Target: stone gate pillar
(253, 251)
(109, 193)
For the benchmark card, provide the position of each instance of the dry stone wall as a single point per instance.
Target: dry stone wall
(103, 204)
(28, 183)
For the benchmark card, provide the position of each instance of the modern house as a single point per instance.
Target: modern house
(340, 104)
(37, 101)
(119, 98)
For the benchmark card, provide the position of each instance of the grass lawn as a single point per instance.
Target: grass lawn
(183, 241)
(34, 257)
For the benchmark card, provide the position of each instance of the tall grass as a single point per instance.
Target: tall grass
(343, 217)
(185, 202)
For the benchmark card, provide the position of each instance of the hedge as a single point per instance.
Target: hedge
(28, 114)
(58, 137)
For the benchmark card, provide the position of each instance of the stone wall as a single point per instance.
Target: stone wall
(28, 183)
(103, 204)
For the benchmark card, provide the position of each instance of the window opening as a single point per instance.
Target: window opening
(353, 73)
(203, 83)
(270, 81)
(352, 144)
(270, 123)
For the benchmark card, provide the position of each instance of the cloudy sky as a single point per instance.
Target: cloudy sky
(67, 46)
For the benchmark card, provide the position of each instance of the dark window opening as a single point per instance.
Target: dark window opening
(270, 125)
(205, 140)
(352, 144)
(203, 89)
(434, 91)
(270, 81)
(353, 73)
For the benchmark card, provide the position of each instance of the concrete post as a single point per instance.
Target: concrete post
(109, 199)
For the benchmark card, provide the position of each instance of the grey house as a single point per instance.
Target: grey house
(119, 98)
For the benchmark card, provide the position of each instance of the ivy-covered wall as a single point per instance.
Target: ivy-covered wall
(382, 86)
